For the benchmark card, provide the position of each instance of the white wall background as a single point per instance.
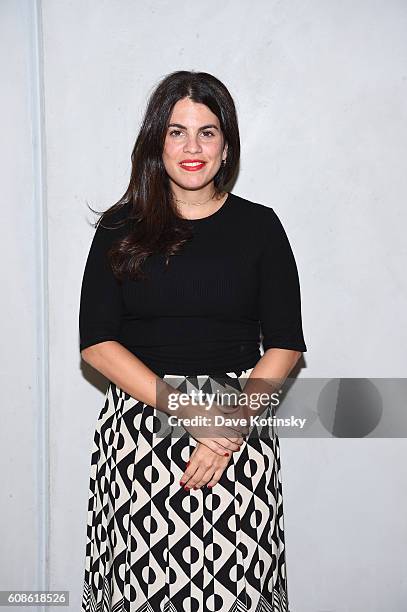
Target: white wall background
(320, 88)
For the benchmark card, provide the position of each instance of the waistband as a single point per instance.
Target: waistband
(234, 374)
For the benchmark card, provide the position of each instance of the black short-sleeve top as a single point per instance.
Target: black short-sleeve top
(233, 286)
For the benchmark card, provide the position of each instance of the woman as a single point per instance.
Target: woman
(180, 280)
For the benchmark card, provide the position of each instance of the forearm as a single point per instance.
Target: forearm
(267, 377)
(129, 373)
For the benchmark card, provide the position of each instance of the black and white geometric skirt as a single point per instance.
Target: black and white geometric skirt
(152, 546)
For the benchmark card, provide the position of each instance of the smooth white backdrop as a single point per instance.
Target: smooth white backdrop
(320, 87)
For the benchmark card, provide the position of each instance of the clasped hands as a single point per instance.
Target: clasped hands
(211, 455)
(220, 428)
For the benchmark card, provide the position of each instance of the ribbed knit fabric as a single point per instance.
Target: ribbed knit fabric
(235, 280)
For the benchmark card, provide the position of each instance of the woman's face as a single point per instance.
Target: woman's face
(194, 145)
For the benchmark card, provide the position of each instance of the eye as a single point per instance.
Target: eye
(207, 133)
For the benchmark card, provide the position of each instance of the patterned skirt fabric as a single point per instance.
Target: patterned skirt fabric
(152, 545)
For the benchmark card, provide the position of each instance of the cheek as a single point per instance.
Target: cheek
(213, 149)
(171, 150)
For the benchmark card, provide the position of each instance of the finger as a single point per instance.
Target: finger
(229, 444)
(189, 472)
(215, 478)
(232, 431)
(190, 484)
(205, 478)
(191, 465)
(238, 441)
(214, 473)
(211, 443)
(240, 430)
(219, 431)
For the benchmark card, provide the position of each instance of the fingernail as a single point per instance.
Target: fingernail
(188, 463)
(226, 454)
(195, 488)
(209, 486)
(186, 488)
(182, 484)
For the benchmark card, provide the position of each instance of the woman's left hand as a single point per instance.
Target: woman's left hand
(205, 468)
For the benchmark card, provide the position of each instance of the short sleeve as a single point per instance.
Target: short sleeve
(100, 308)
(280, 299)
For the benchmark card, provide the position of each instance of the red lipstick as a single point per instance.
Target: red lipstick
(196, 164)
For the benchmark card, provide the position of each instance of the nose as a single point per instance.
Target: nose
(192, 145)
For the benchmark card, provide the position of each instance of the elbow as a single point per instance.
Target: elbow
(296, 355)
(92, 353)
(87, 353)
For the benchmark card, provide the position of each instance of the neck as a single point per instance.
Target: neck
(194, 209)
(205, 197)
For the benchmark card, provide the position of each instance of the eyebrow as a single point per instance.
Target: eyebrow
(203, 127)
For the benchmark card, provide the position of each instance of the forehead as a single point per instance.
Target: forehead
(188, 112)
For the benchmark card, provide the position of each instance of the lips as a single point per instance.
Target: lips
(192, 165)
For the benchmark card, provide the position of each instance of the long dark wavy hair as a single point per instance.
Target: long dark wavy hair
(154, 225)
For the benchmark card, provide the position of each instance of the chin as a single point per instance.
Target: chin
(191, 184)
